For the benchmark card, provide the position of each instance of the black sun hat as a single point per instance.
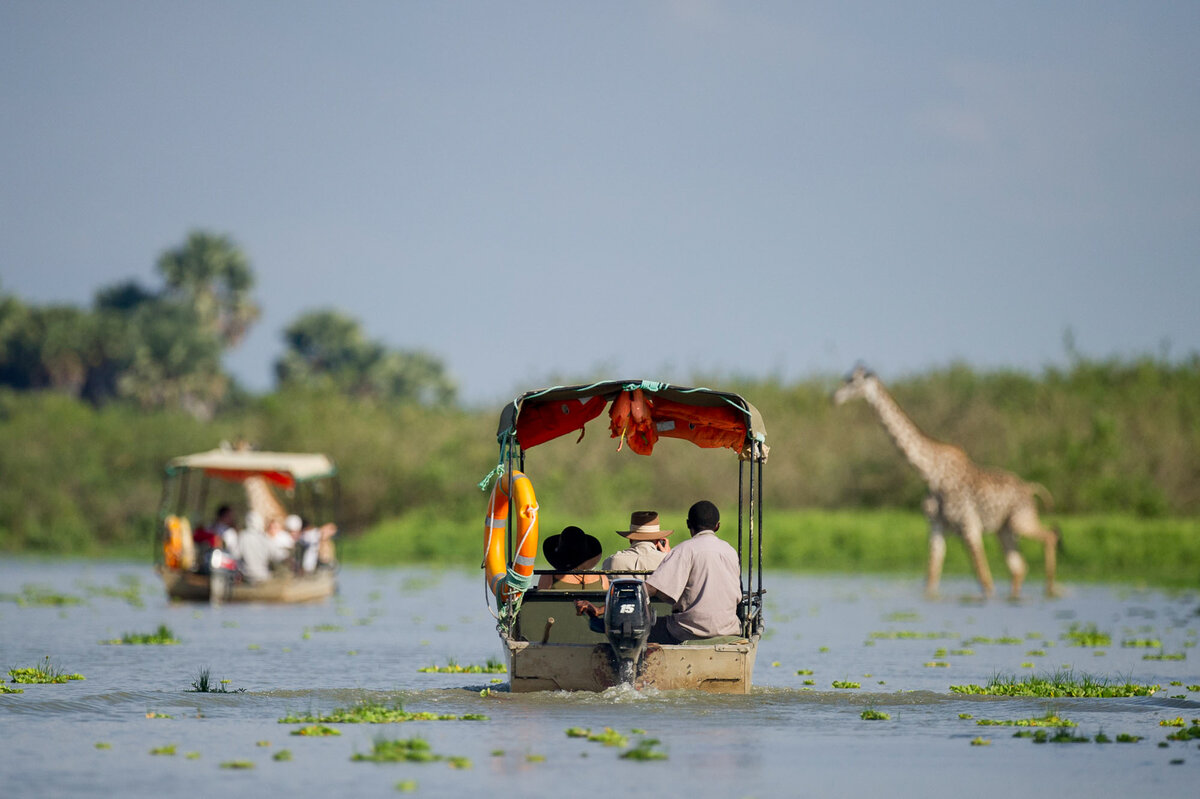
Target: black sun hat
(571, 548)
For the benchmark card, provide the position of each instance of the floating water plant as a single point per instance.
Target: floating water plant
(4, 689)
(192, 755)
(282, 755)
(1175, 722)
(644, 750)
(42, 674)
(936, 664)
(1165, 656)
(459, 762)
(906, 635)
(162, 636)
(1063, 683)
(1061, 736)
(804, 671)
(845, 684)
(874, 715)
(980, 742)
(1087, 636)
(578, 732)
(367, 712)
(1006, 640)
(317, 731)
(169, 749)
(103, 745)
(153, 714)
(492, 666)
(1143, 643)
(406, 786)
(40, 596)
(203, 685)
(413, 750)
(535, 758)
(1188, 733)
(1048, 720)
(1126, 738)
(237, 764)
(609, 737)
(961, 652)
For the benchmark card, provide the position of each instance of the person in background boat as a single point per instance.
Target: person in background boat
(316, 545)
(649, 547)
(255, 547)
(221, 535)
(573, 550)
(282, 543)
(700, 577)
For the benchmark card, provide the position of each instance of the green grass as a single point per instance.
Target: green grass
(1098, 547)
(203, 684)
(1063, 683)
(42, 674)
(162, 636)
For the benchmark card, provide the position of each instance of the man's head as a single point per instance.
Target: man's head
(225, 514)
(703, 516)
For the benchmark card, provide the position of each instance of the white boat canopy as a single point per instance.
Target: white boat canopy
(285, 468)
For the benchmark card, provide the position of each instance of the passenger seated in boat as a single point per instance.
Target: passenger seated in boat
(316, 546)
(573, 550)
(282, 544)
(700, 578)
(255, 549)
(649, 545)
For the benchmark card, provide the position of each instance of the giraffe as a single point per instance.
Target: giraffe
(964, 499)
(262, 499)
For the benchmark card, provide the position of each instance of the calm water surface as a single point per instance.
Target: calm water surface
(785, 739)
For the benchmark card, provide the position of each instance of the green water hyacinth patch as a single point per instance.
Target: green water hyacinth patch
(43, 674)
(40, 596)
(1142, 643)
(846, 684)
(367, 712)
(411, 750)
(608, 737)
(316, 731)
(161, 637)
(1088, 636)
(237, 764)
(1061, 684)
(874, 715)
(1191, 733)
(1048, 720)
(4, 689)
(644, 750)
(1166, 656)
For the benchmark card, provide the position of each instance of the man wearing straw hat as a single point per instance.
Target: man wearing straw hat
(649, 546)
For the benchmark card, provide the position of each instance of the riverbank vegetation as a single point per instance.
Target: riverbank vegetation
(1116, 443)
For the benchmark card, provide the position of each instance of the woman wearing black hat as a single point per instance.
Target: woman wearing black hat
(573, 550)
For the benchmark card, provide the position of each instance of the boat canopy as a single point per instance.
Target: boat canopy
(282, 468)
(640, 413)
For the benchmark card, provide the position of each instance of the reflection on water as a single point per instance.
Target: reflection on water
(796, 734)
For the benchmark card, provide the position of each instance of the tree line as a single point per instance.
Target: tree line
(160, 347)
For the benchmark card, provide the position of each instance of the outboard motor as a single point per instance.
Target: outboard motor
(628, 618)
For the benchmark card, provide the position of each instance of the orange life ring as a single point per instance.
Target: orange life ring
(177, 543)
(504, 581)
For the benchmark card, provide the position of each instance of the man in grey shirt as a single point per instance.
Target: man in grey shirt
(701, 577)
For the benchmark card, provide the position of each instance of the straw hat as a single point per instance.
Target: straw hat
(571, 548)
(643, 526)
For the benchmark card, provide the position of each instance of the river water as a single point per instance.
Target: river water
(94, 737)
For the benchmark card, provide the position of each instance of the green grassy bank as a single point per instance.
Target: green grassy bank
(1097, 548)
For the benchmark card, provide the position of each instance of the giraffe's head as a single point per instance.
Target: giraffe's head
(856, 385)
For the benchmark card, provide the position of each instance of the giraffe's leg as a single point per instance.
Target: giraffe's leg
(1026, 523)
(932, 507)
(937, 554)
(973, 538)
(1012, 558)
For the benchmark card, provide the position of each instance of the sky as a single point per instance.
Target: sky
(539, 191)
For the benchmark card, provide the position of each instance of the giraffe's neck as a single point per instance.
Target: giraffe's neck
(919, 449)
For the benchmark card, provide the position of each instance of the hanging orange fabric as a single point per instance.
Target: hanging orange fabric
(641, 436)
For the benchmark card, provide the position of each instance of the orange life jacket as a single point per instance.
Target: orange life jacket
(546, 421)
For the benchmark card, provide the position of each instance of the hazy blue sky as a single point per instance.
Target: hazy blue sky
(634, 189)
